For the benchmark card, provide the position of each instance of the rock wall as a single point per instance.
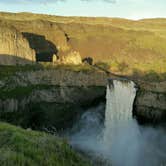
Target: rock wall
(150, 103)
(26, 42)
(56, 95)
(79, 96)
(51, 31)
(60, 77)
(14, 48)
(72, 57)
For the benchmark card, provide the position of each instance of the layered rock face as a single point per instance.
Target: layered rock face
(56, 94)
(14, 48)
(66, 40)
(52, 32)
(150, 103)
(60, 77)
(40, 41)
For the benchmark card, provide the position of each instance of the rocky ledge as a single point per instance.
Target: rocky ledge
(150, 102)
(52, 96)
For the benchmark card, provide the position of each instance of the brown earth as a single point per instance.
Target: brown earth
(127, 47)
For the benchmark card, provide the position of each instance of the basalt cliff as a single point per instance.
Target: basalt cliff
(38, 97)
(52, 46)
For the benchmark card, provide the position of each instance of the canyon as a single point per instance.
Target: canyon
(55, 70)
(110, 44)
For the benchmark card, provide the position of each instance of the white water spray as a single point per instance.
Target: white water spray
(120, 98)
(120, 141)
(120, 127)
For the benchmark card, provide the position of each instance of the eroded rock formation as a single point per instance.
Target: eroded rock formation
(14, 48)
(72, 57)
(59, 94)
(150, 103)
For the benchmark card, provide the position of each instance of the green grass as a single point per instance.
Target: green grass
(19, 147)
(8, 71)
(75, 68)
(22, 91)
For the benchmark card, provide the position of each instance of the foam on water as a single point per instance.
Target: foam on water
(119, 141)
(120, 97)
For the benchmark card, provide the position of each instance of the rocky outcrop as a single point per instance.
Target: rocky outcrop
(53, 85)
(45, 50)
(56, 95)
(80, 96)
(25, 39)
(49, 107)
(26, 43)
(72, 57)
(150, 103)
(57, 77)
(14, 48)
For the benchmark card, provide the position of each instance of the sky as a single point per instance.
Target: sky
(131, 9)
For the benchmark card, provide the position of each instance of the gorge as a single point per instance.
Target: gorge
(99, 83)
(118, 139)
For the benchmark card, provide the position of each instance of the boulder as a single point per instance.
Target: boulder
(72, 57)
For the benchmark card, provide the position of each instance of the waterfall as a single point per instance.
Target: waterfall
(120, 97)
(120, 128)
(120, 141)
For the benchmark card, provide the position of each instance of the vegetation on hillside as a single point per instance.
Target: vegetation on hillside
(7, 71)
(124, 45)
(19, 147)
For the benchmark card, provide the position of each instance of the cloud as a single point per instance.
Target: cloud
(46, 1)
(109, 1)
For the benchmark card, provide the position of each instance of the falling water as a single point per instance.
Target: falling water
(120, 128)
(119, 141)
(120, 98)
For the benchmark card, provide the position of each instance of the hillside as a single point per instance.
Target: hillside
(127, 47)
(26, 147)
(45, 86)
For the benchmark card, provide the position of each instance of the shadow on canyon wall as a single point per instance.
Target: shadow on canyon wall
(45, 50)
(6, 59)
(43, 115)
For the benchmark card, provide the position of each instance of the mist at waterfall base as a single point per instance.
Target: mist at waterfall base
(119, 141)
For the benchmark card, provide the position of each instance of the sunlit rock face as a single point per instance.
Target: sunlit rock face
(14, 48)
(71, 57)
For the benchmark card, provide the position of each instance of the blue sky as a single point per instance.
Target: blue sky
(133, 9)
